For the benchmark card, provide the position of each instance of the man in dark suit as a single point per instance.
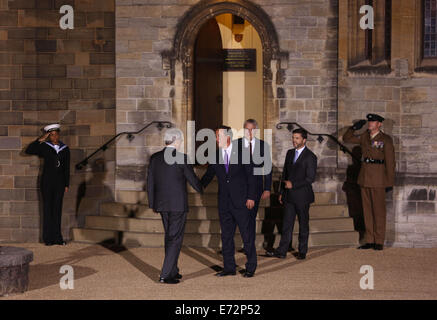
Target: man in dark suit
(167, 193)
(257, 152)
(236, 197)
(297, 194)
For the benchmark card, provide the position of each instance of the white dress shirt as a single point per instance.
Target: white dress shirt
(227, 151)
(252, 142)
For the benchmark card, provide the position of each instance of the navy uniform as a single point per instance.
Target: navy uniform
(376, 174)
(54, 181)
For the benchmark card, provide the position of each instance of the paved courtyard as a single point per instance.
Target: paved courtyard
(108, 272)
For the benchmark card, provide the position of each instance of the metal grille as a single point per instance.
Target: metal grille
(430, 29)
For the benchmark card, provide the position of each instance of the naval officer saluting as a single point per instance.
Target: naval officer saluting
(54, 181)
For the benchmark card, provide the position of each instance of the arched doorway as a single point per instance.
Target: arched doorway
(228, 74)
(180, 60)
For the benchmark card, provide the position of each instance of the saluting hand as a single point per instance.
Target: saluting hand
(44, 137)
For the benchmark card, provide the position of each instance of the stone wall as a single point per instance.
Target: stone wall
(303, 87)
(50, 75)
(407, 98)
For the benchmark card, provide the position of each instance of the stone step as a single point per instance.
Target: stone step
(202, 226)
(132, 239)
(207, 199)
(211, 188)
(116, 209)
(93, 235)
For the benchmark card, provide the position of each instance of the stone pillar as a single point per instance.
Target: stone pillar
(14, 270)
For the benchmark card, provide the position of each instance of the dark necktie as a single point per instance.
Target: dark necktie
(226, 162)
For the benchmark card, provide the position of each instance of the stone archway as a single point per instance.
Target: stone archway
(179, 60)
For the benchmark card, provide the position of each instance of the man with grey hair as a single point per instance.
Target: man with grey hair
(167, 194)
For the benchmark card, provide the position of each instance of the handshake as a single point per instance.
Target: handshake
(359, 124)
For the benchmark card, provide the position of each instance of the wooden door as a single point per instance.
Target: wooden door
(208, 77)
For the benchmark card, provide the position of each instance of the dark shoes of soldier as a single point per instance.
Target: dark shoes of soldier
(49, 243)
(61, 243)
(367, 246)
(169, 280)
(379, 247)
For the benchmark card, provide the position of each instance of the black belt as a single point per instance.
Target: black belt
(369, 160)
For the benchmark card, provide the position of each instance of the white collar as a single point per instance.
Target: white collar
(299, 151)
(57, 147)
(227, 150)
(246, 142)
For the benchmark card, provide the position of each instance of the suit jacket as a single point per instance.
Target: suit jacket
(51, 170)
(167, 183)
(236, 186)
(379, 148)
(262, 148)
(301, 174)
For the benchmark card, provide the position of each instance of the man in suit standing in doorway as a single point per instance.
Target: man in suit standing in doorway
(167, 193)
(258, 153)
(296, 194)
(236, 197)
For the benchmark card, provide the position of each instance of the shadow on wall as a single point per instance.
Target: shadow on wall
(353, 192)
(92, 192)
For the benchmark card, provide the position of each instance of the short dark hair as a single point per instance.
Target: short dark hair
(228, 130)
(302, 132)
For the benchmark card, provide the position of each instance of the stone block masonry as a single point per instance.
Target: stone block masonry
(50, 75)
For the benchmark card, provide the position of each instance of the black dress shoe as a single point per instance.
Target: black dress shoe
(178, 276)
(49, 243)
(275, 254)
(248, 274)
(61, 243)
(300, 256)
(169, 280)
(225, 273)
(379, 247)
(367, 246)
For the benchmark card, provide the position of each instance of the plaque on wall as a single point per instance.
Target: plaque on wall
(239, 59)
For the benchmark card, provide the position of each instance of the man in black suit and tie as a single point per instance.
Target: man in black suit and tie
(297, 194)
(167, 193)
(258, 151)
(236, 197)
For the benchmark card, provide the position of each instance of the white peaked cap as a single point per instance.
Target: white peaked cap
(52, 127)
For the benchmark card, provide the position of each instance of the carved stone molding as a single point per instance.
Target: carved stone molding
(189, 25)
